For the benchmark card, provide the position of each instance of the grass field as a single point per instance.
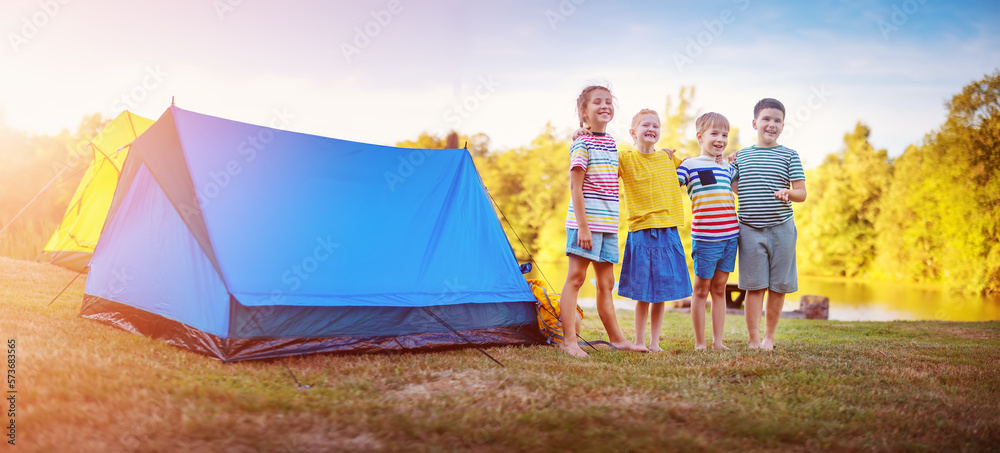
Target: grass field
(844, 386)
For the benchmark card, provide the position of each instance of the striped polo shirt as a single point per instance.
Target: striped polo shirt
(712, 204)
(598, 156)
(652, 197)
(760, 172)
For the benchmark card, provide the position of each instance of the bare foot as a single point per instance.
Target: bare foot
(754, 346)
(655, 348)
(719, 347)
(573, 349)
(767, 345)
(629, 346)
(700, 347)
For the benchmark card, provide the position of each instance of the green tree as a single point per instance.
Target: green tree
(531, 185)
(31, 162)
(942, 213)
(677, 131)
(837, 225)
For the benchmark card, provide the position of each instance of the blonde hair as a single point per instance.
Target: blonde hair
(584, 98)
(711, 119)
(635, 119)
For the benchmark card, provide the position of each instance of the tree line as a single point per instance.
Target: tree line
(930, 215)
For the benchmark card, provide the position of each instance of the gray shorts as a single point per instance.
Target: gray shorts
(767, 257)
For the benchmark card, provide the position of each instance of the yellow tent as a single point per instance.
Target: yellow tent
(73, 242)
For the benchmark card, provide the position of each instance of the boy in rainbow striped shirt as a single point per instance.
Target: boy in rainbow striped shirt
(715, 229)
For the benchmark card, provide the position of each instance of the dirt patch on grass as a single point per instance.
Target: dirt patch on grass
(971, 333)
(464, 382)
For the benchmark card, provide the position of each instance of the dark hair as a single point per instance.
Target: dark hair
(768, 103)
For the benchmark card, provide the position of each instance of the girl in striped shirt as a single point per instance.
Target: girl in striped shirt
(592, 219)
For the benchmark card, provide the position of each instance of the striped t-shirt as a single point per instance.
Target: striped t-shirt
(760, 172)
(598, 156)
(652, 198)
(712, 204)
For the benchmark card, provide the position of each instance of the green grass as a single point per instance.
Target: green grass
(844, 386)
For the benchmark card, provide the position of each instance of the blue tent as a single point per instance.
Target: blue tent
(246, 242)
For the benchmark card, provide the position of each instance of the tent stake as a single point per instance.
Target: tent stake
(64, 289)
(444, 323)
(298, 383)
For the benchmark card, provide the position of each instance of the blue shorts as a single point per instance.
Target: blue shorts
(604, 250)
(767, 258)
(710, 256)
(654, 269)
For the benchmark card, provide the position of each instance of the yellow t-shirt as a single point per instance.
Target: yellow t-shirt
(650, 190)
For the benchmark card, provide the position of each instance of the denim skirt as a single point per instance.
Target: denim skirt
(653, 268)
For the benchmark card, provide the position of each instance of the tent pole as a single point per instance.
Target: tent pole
(44, 188)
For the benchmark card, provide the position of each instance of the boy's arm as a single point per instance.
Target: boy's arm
(584, 238)
(797, 193)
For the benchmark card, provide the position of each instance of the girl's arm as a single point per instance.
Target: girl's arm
(585, 238)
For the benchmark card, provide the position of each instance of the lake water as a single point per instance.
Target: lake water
(850, 299)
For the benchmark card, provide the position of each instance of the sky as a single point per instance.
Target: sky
(384, 71)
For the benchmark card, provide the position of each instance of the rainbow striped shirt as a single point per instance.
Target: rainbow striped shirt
(598, 156)
(712, 203)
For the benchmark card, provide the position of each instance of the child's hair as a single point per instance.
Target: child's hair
(768, 103)
(581, 101)
(711, 119)
(635, 119)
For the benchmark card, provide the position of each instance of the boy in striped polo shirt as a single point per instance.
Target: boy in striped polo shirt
(715, 227)
(769, 178)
